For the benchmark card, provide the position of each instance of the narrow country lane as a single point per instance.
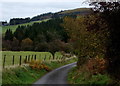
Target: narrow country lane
(57, 76)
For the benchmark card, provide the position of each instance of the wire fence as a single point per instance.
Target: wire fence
(19, 60)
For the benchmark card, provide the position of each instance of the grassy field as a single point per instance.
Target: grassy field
(39, 56)
(13, 27)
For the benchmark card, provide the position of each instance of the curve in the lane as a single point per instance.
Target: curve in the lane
(57, 76)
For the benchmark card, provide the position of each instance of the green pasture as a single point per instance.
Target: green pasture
(42, 56)
(13, 27)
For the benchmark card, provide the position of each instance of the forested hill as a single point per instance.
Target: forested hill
(74, 12)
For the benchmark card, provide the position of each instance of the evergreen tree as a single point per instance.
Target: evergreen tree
(8, 35)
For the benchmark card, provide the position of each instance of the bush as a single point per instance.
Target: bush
(26, 44)
(37, 64)
(96, 65)
(44, 46)
(83, 76)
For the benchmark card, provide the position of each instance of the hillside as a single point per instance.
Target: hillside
(73, 12)
(45, 17)
(13, 27)
(80, 10)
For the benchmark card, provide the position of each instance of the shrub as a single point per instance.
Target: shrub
(26, 44)
(96, 65)
(37, 64)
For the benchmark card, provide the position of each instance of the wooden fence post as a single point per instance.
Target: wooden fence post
(50, 57)
(20, 60)
(57, 58)
(62, 58)
(28, 58)
(35, 57)
(40, 55)
(53, 57)
(32, 58)
(45, 57)
(4, 61)
(13, 60)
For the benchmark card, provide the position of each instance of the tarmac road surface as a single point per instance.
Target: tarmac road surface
(57, 77)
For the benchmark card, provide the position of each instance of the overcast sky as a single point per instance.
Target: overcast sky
(29, 8)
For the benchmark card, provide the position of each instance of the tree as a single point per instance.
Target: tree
(111, 14)
(87, 36)
(20, 33)
(53, 47)
(6, 45)
(42, 36)
(8, 35)
(42, 47)
(105, 6)
(15, 45)
(26, 44)
(51, 36)
(16, 21)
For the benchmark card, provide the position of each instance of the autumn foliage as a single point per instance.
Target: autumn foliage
(97, 35)
(87, 36)
(38, 65)
(96, 65)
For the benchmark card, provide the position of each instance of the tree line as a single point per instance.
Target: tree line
(46, 36)
(49, 15)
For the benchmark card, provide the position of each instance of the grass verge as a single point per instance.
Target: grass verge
(76, 76)
(27, 75)
(21, 75)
